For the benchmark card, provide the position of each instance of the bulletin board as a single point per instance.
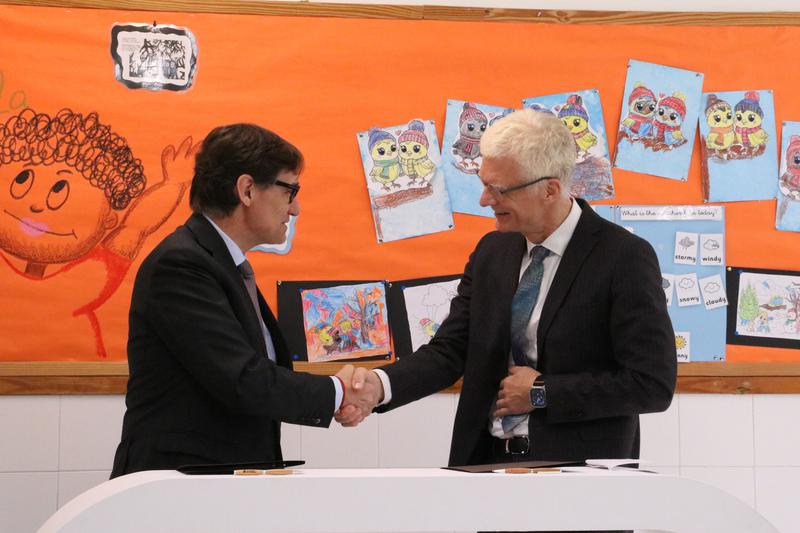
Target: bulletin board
(318, 74)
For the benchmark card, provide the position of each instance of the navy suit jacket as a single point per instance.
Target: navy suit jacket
(606, 349)
(201, 388)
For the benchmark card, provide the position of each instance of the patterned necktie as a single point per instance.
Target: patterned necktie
(246, 270)
(521, 309)
(250, 283)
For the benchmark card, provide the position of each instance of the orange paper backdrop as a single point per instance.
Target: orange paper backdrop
(319, 81)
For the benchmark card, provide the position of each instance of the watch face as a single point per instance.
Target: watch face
(538, 397)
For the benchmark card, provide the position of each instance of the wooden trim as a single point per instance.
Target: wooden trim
(667, 18)
(739, 369)
(41, 378)
(71, 369)
(425, 12)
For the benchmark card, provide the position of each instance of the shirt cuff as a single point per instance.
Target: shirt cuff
(337, 402)
(387, 387)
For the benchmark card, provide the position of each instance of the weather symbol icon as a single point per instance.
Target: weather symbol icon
(712, 287)
(686, 283)
(686, 242)
(680, 342)
(711, 244)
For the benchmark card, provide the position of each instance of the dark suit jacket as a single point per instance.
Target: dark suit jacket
(606, 348)
(201, 388)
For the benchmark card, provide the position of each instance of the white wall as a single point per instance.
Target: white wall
(53, 448)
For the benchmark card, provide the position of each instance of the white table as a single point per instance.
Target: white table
(408, 500)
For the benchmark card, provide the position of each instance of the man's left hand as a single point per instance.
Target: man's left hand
(515, 391)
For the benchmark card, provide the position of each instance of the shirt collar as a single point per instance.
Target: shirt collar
(557, 241)
(233, 248)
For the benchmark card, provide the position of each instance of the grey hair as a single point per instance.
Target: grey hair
(537, 141)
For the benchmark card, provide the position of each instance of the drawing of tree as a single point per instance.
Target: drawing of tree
(748, 306)
(363, 311)
(793, 296)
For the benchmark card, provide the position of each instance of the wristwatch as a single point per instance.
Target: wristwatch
(538, 394)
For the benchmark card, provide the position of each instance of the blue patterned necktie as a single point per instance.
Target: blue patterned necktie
(521, 309)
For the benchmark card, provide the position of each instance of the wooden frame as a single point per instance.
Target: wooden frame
(29, 378)
(112, 378)
(424, 12)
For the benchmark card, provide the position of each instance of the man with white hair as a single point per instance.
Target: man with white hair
(560, 326)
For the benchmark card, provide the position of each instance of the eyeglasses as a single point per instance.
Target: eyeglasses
(498, 192)
(294, 188)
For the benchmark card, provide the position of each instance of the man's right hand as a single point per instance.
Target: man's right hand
(363, 392)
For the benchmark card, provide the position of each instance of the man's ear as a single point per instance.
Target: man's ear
(110, 221)
(244, 189)
(553, 188)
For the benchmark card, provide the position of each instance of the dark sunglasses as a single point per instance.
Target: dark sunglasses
(294, 188)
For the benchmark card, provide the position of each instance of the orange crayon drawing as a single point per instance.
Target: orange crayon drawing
(75, 210)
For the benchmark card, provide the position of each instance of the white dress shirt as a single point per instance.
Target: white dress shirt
(239, 257)
(557, 242)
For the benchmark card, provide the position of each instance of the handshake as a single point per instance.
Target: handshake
(363, 391)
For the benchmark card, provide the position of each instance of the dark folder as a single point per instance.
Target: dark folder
(478, 469)
(228, 468)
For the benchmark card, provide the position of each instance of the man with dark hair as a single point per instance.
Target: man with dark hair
(210, 374)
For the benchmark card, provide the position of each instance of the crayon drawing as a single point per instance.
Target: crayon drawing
(78, 208)
(345, 322)
(658, 120)
(582, 113)
(788, 213)
(426, 307)
(464, 125)
(406, 186)
(738, 146)
(768, 306)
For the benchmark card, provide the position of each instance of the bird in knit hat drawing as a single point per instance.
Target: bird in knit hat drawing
(719, 116)
(383, 150)
(748, 117)
(576, 118)
(472, 123)
(789, 183)
(414, 160)
(670, 114)
(641, 106)
(790, 180)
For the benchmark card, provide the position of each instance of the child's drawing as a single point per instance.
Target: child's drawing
(154, 56)
(345, 322)
(582, 113)
(77, 208)
(788, 215)
(426, 307)
(464, 125)
(658, 119)
(768, 306)
(737, 132)
(406, 188)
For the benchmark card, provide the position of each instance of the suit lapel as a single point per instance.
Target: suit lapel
(209, 239)
(580, 245)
